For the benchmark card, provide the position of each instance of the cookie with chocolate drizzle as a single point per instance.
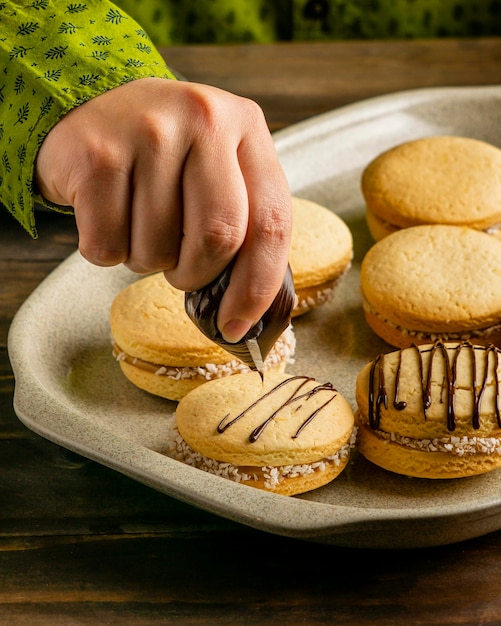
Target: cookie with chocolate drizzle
(433, 410)
(286, 434)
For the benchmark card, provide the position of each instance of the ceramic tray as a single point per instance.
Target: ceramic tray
(71, 391)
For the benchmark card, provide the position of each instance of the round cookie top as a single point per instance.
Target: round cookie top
(321, 245)
(436, 180)
(433, 391)
(283, 420)
(148, 321)
(434, 279)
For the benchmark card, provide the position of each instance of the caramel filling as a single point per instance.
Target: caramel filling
(283, 350)
(311, 297)
(490, 230)
(421, 335)
(269, 476)
(460, 446)
(299, 392)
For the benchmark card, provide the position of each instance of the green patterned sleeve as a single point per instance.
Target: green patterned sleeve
(54, 56)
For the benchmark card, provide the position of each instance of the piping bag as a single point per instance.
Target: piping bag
(202, 307)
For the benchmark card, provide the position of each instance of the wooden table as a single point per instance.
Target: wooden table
(82, 544)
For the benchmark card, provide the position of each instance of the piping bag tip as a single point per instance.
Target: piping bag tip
(202, 307)
(257, 357)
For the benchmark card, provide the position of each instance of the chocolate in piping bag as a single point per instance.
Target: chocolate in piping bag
(202, 307)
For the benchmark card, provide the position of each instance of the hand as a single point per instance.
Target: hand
(175, 177)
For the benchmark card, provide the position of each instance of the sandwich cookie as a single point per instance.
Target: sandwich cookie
(434, 180)
(432, 411)
(429, 282)
(320, 255)
(160, 350)
(286, 434)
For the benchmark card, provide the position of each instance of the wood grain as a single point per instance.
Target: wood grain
(295, 81)
(242, 577)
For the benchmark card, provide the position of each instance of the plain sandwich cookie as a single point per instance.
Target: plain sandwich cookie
(321, 253)
(434, 180)
(159, 348)
(429, 282)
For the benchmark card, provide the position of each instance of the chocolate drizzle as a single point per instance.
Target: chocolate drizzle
(202, 307)
(378, 394)
(381, 397)
(398, 404)
(450, 381)
(295, 396)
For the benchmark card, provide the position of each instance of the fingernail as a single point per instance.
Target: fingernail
(234, 330)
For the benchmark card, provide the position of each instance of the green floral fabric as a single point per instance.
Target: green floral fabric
(55, 54)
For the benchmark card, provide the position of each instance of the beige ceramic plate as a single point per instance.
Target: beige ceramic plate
(70, 390)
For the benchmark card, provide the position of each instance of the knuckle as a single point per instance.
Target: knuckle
(154, 129)
(102, 255)
(137, 268)
(182, 283)
(213, 109)
(151, 263)
(98, 159)
(207, 110)
(276, 225)
(221, 238)
(253, 113)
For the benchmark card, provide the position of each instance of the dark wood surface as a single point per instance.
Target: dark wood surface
(82, 544)
(295, 81)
